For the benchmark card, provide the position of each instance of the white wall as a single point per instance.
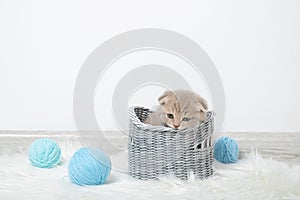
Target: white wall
(254, 44)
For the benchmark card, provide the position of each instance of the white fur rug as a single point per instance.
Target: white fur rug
(250, 178)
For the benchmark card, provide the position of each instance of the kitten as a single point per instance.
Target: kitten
(178, 109)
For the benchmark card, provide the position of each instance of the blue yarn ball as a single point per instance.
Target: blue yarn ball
(44, 153)
(226, 150)
(89, 166)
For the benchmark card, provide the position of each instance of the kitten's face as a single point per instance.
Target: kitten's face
(182, 109)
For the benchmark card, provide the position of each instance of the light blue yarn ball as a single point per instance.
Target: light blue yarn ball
(89, 166)
(44, 153)
(226, 150)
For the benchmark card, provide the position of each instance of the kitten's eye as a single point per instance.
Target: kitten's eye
(170, 116)
(186, 119)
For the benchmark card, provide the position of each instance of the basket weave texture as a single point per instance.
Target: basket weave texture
(155, 151)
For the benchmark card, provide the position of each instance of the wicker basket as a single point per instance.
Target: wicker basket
(155, 151)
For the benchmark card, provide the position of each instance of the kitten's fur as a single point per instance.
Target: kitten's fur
(178, 109)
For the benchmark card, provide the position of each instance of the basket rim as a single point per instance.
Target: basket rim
(135, 120)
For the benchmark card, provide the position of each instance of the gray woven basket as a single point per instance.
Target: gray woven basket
(155, 151)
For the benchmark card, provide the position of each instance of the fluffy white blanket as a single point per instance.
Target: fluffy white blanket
(252, 177)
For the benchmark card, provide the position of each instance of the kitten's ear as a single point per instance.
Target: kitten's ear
(165, 97)
(202, 104)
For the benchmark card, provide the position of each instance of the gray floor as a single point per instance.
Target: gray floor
(279, 146)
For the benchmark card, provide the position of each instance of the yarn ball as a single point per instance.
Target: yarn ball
(44, 153)
(226, 150)
(89, 166)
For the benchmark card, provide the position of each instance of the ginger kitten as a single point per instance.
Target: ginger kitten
(178, 109)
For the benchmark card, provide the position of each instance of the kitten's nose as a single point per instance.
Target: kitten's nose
(176, 126)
